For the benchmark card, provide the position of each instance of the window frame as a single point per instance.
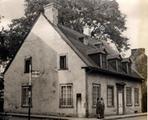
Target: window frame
(25, 60)
(98, 85)
(22, 104)
(129, 104)
(65, 63)
(102, 62)
(113, 103)
(60, 98)
(136, 104)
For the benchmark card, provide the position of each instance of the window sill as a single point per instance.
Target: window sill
(110, 106)
(26, 106)
(63, 69)
(93, 106)
(66, 106)
(136, 105)
(129, 105)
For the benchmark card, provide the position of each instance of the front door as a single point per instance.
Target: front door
(79, 105)
(120, 100)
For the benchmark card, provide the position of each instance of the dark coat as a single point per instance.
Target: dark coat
(98, 107)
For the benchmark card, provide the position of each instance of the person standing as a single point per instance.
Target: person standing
(98, 106)
(102, 108)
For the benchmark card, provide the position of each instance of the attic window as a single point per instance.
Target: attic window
(103, 61)
(126, 67)
(99, 59)
(112, 64)
(63, 62)
(28, 63)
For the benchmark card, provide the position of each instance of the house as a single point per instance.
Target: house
(69, 72)
(140, 64)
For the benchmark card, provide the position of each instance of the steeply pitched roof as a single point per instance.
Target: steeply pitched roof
(71, 37)
(74, 36)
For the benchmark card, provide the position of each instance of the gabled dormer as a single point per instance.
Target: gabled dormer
(99, 56)
(126, 65)
(114, 62)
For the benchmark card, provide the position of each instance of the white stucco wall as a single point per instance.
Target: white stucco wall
(45, 45)
(105, 80)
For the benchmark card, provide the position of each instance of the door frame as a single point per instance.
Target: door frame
(78, 95)
(121, 87)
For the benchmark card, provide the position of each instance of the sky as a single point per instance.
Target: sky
(135, 10)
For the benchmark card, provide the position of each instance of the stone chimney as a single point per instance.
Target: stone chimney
(136, 52)
(51, 12)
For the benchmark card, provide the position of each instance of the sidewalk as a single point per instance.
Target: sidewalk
(111, 117)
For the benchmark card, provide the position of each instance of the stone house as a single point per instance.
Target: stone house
(69, 71)
(139, 59)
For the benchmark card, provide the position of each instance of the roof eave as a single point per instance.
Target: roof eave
(96, 69)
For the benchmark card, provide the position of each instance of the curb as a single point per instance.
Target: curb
(125, 116)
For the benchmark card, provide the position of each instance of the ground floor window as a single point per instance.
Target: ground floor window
(136, 96)
(128, 96)
(110, 96)
(25, 96)
(66, 97)
(96, 91)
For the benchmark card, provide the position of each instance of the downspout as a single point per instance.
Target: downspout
(86, 88)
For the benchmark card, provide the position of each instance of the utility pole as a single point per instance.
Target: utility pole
(29, 91)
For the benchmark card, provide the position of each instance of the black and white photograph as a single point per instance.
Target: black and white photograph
(73, 59)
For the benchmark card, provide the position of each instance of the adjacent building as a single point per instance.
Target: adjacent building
(69, 71)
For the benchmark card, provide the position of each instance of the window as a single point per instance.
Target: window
(104, 62)
(96, 90)
(110, 96)
(28, 62)
(112, 64)
(128, 96)
(63, 62)
(25, 96)
(119, 65)
(126, 67)
(136, 96)
(66, 97)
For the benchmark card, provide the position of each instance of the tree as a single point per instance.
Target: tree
(102, 16)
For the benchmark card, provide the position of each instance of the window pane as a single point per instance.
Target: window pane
(95, 93)
(136, 96)
(110, 96)
(104, 62)
(28, 62)
(62, 62)
(25, 96)
(66, 96)
(128, 96)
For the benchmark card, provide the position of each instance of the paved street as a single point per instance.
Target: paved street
(135, 118)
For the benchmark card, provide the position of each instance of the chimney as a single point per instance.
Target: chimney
(51, 12)
(138, 51)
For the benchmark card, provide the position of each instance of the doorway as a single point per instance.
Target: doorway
(79, 104)
(120, 100)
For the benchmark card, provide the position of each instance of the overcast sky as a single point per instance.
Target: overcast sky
(136, 11)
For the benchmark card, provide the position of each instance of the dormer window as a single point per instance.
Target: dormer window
(104, 61)
(114, 63)
(126, 65)
(99, 59)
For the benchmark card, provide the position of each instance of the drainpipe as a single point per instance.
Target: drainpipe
(86, 87)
